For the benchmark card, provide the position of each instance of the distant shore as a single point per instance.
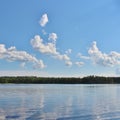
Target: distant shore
(50, 80)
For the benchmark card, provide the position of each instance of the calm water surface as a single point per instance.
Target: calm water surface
(59, 102)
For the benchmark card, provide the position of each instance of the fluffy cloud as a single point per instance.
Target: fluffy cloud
(44, 20)
(53, 36)
(2, 51)
(49, 49)
(12, 54)
(79, 63)
(111, 59)
(2, 48)
(62, 57)
(68, 63)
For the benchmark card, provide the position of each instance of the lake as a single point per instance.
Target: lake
(59, 102)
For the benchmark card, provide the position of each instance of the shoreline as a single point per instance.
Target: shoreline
(59, 80)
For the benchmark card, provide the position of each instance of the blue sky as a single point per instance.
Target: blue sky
(60, 38)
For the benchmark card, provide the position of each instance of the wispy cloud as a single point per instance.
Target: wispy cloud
(79, 64)
(23, 64)
(24, 73)
(44, 20)
(83, 57)
(69, 51)
(44, 32)
(49, 49)
(12, 54)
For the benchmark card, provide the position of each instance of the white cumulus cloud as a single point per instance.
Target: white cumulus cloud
(68, 63)
(111, 59)
(48, 48)
(12, 54)
(53, 36)
(44, 20)
(2, 48)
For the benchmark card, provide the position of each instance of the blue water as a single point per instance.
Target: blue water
(59, 102)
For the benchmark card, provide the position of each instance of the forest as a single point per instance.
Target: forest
(60, 80)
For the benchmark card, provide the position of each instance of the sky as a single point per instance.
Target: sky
(59, 38)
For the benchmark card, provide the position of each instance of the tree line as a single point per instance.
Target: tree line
(60, 80)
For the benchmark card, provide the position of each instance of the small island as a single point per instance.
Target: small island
(60, 80)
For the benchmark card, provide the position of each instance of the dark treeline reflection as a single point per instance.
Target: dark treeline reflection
(50, 80)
